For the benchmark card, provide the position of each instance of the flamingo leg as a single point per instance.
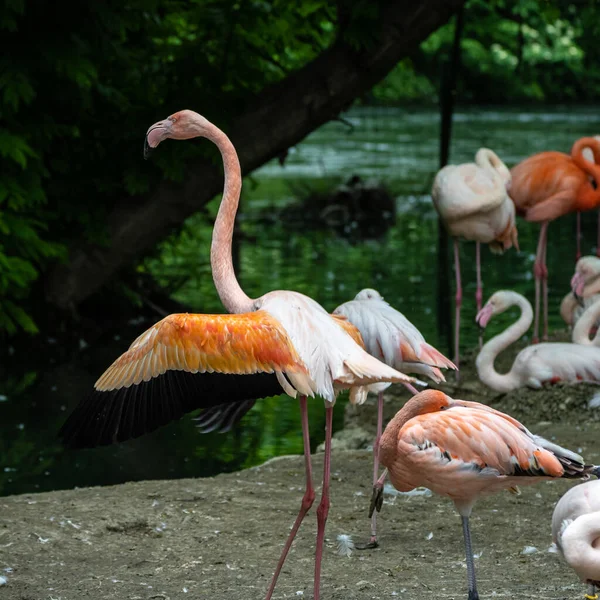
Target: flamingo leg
(591, 593)
(479, 291)
(537, 272)
(323, 509)
(377, 496)
(372, 543)
(578, 237)
(473, 595)
(458, 302)
(598, 239)
(545, 282)
(307, 500)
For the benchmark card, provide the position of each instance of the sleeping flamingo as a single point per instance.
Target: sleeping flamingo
(589, 156)
(576, 532)
(464, 450)
(546, 186)
(390, 337)
(534, 365)
(281, 342)
(473, 202)
(585, 289)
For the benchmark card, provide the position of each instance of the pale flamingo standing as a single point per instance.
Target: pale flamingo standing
(549, 185)
(464, 450)
(534, 365)
(576, 532)
(589, 156)
(390, 337)
(586, 331)
(281, 342)
(473, 202)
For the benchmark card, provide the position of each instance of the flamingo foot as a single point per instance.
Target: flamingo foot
(370, 545)
(376, 499)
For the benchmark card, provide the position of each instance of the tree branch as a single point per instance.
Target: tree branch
(280, 117)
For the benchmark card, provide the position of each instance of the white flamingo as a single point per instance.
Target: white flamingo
(534, 365)
(390, 337)
(576, 532)
(473, 202)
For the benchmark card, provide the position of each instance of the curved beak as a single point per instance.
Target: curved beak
(155, 135)
(484, 315)
(577, 285)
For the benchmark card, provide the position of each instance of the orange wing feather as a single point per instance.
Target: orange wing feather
(350, 329)
(234, 344)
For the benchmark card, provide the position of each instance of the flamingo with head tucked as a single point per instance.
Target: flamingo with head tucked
(588, 154)
(390, 337)
(535, 365)
(465, 450)
(546, 186)
(585, 290)
(576, 532)
(473, 202)
(280, 342)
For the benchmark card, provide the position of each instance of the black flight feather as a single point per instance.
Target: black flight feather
(110, 417)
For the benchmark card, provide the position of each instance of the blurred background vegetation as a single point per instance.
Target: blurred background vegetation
(81, 82)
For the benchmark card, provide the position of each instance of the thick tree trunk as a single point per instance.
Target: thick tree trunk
(279, 117)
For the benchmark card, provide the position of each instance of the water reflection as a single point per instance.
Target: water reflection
(396, 146)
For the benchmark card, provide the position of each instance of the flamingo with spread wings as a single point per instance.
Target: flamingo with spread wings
(280, 342)
(389, 336)
(473, 202)
(546, 186)
(465, 450)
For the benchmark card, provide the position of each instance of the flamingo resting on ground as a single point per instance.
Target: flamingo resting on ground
(585, 289)
(390, 337)
(464, 450)
(281, 342)
(576, 532)
(534, 365)
(589, 156)
(546, 186)
(473, 202)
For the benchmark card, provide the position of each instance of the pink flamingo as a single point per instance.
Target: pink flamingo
(534, 365)
(585, 289)
(281, 342)
(576, 532)
(588, 154)
(390, 337)
(546, 186)
(473, 202)
(464, 450)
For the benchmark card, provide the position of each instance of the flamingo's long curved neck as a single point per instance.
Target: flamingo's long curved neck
(581, 331)
(487, 159)
(591, 168)
(580, 543)
(234, 299)
(489, 352)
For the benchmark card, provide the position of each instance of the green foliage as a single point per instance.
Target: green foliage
(531, 50)
(76, 98)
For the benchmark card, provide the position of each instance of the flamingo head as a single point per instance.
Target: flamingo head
(181, 125)
(498, 303)
(368, 294)
(586, 269)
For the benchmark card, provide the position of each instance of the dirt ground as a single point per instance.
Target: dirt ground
(219, 538)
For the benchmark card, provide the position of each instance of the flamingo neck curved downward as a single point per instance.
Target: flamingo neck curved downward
(580, 544)
(489, 161)
(485, 360)
(581, 331)
(234, 299)
(589, 193)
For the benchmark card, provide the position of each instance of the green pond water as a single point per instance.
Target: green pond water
(398, 147)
